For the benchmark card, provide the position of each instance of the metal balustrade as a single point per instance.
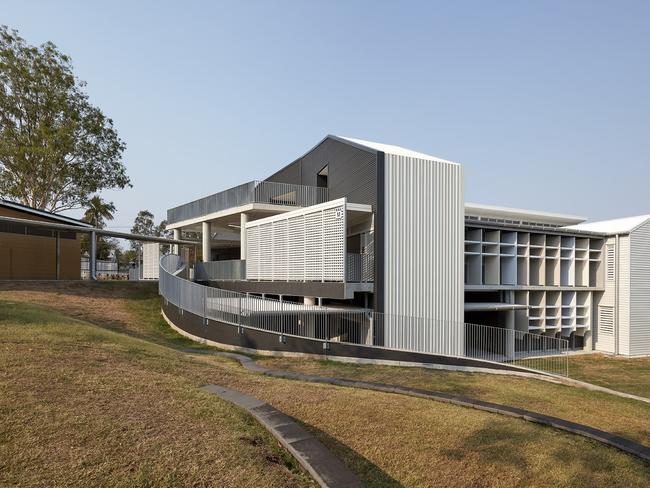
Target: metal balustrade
(231, 270)
(360, 268)
(364, 327)
(268, 192)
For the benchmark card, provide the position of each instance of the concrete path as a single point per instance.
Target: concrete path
(320, 463)
(613, 440)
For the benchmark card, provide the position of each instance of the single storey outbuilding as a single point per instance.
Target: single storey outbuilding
(30, 253)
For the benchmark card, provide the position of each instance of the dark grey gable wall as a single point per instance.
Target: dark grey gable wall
(352, 171)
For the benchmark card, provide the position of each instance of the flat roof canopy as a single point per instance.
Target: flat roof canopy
(492, 211)
(493, 307)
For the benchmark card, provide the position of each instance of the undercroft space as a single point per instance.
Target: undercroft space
(96, 389)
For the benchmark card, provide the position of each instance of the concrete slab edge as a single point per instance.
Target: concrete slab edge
(325, 468)
(407, 364)
(622, 443)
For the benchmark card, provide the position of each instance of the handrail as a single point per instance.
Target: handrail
(269, 192)
(364, 327)
(230, 270)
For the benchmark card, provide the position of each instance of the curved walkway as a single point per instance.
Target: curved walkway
(613, 440)
(320, 463)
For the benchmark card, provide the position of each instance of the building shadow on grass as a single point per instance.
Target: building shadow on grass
(369, 473)
(504, 442)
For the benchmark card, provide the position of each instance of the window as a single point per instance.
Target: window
(606, 320)
(611, 262)
(321, 177)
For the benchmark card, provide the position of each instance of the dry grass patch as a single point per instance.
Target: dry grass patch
(81, 406)
(129, 307)
(631, 375)
(95, 407)
(418, 442)
(628, 418)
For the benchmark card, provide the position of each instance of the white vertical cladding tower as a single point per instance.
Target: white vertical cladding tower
(150, 260)
(640, 289)
(623, 313)
(423, 258)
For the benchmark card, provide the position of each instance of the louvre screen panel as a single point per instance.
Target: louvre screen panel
(281, 245)
(333, 241)
(253, 251)
(296, 252)
(606, 320)
(266, 252)
(611, 262)
(306, 245)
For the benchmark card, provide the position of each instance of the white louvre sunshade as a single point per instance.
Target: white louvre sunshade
(303, 245)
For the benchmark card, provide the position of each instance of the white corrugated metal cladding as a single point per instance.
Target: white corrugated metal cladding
(640, 290)
(424, 232)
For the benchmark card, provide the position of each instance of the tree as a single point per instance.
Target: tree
(145, 225)
(97, 213)
(56, 148)
(162, 231)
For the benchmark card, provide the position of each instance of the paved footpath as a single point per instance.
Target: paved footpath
(608, 438)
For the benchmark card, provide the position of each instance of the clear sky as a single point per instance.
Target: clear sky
(546, 103)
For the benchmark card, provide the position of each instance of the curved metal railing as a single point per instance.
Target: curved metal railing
(363, 327)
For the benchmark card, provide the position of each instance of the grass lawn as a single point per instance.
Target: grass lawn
(82, 406)
(631, 375)
(629, 418)
(103, 400)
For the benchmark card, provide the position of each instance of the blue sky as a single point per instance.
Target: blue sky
(545, 103)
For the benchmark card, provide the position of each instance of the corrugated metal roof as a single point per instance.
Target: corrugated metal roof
(390, 149)
(614, 226)
(480, 210)
(43, 213)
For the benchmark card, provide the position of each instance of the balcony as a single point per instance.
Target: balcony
(359, 269)
(231, 270)
(261, 192)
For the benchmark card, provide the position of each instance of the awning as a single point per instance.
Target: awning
(493, 307)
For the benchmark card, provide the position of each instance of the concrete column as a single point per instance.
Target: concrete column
(243, 220)
(93, 256)
(310, 300)
(177, 235)
(510, 336)
(58, 255)
(205, 239)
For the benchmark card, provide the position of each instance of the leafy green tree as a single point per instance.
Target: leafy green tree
(97, 213)
(145, 225)
(161, 230)
(124, 258)
(56, 148)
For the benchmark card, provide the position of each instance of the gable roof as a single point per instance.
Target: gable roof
(42, 213)
(388, 149)
(614, 226)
